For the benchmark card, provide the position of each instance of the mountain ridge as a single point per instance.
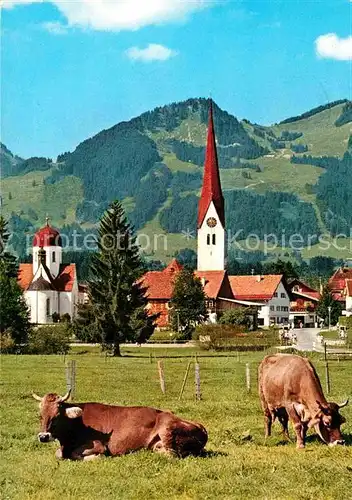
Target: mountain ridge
(153, 161)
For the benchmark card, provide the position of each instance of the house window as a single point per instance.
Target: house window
(48, 307)
(283, 295)
(275, 294)
(272, 308)
(214, 239)
(54, 257)
(208, 239)
(278, 308)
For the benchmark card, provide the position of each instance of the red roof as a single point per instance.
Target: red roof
(173, 267)
(212, 281)
(47, 236)
(160, 284)
(62, 283)
(211, 190)
(349, 288)
(337, 282)
(255, 287)
(25, 275)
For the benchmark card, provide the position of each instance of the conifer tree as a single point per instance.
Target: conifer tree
(187, 303)
(326, 301)
(115, 292)
(14, 315)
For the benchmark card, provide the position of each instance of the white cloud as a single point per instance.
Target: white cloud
(330, 46)
(118, 15)
(153, 52)
(55, 28)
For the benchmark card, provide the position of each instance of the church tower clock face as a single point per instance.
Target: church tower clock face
(211, 222)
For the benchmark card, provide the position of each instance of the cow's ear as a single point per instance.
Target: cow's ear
(74, 412)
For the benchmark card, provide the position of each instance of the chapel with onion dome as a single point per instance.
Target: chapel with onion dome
(49, 286)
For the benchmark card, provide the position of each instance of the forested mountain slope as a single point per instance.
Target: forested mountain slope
(290, 177)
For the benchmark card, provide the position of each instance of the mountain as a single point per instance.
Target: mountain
(288, 178)
(8, 161)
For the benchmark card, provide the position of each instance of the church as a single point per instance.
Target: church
(49, 286)
(267, 293)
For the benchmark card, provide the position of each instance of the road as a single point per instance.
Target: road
(305, 338)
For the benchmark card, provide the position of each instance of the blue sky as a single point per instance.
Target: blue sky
(70, 69)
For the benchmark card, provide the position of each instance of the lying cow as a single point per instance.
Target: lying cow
(289, 388)
(88, 430)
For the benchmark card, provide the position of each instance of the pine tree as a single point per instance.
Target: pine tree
(115, 292)
(7, 260)
(14, 316)
(187, 303)
(326, 301)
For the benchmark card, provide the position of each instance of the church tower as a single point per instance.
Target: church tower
(211, 211)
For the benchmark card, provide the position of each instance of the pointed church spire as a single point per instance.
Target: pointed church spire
(211, 190)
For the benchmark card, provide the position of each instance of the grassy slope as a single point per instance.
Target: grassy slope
(320, 133)
(59, 200)
(234, 468)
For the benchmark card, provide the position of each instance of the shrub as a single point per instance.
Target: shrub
(243, 316)
(55, 317)
(163, 337)
(65, 318)
(234, 337)
(7, 344)
(53, 339)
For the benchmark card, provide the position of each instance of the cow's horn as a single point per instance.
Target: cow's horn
(65, 398)
(36, 397)
(342, 405)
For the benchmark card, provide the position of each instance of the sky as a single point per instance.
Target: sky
(72, 68)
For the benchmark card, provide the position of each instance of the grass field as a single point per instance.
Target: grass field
(235, 466)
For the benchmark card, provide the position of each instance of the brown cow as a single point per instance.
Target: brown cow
(88, 430)
(289, 387)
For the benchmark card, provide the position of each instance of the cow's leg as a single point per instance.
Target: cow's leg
(304, 431)
(297, 424)
(268, 420)
(89, 451)
(283, 419)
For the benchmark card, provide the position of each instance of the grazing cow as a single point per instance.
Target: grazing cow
(88, 430)
(289, 387)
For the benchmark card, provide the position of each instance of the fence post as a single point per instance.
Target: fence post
(73, 379)
(185, 379)
(197, 380)
(248, 378)
(70, 372)
(324, 351)
(161, 376)
(327, 378)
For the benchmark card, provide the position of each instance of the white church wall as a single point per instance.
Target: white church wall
(211, 257)
(40, 310)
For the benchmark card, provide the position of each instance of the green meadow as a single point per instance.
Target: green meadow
(238, 463)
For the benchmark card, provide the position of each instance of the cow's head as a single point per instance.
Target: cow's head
(327, 422)
(54, 416)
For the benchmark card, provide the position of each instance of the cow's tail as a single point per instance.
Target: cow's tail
(188, 438)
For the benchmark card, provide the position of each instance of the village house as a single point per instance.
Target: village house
(268, 293)
(348, 298)
(337, 284)
(49, 286)
(304, 301)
